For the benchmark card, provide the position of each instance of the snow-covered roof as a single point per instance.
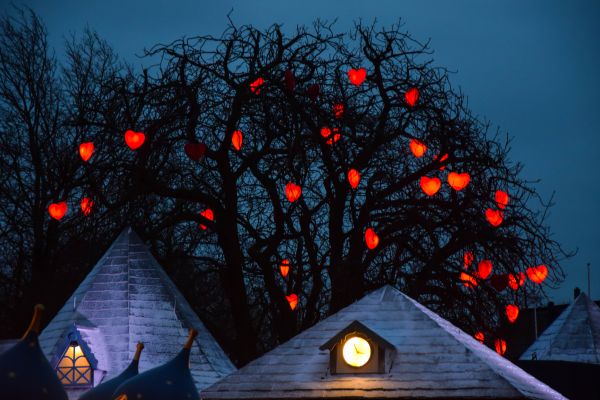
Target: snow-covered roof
(574, 336)
(433, 358)
(128, 298)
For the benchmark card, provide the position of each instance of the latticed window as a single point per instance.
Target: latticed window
(74, 368)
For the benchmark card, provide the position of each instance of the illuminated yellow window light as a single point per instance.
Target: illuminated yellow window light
(356, 351)
(74, 368)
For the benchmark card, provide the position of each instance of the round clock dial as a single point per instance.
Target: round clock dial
(356, 351)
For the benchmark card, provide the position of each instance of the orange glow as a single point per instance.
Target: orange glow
(134, 139)
(468, 258)
(458, 181)
(479, 336)
(292, 300)
(430, 185)
(501, 199)
(484, 269)
(293, 191)
(516, 281)
(468, 280)
(371, 238)
(353, 178)
(58, 210)
(411, 96)
(357, 76)
(442, 159)
(209, 215)
(256, 86)
(85, 150)
(537, 274)
(236, 140)
(326, 133)
(338, 110)
(417, 147)
(500, 345)
(284, 267)
(512, 313)
(494, 217)
(86, 205)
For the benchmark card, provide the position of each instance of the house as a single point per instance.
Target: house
(127, 298)
(385, 345)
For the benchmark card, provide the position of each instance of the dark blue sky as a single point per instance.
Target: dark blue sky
(530, 67)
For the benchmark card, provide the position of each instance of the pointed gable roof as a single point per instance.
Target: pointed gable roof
(433, 358)
(128, 298)
(574, 336)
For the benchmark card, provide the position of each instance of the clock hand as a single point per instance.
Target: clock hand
(356, 349)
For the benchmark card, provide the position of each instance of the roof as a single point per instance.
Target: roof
(574, 336)
(128, 298)
(433, 358)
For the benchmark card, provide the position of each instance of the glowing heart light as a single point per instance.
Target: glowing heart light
(479, 336)
(468, 280)
(236, 140)
(357, 76)
(468, 258)
(353, 178)
(338, 110)
(500, 345)
(458, 181)
(430, 186)
(290, 80)
(58, 210)
(417, 147)
(501, 198)
(209, 215)
(537, 274)
(85, 150)
(512, 313)
(371, 238)
(256, 86)
(292, 300)
(292, 191)
(515, 281)
(134, 140)
(331, 137)
(494, 217)
(195, 151)
(484, 269)
(86, 205)
(411, 96)
(284, 267)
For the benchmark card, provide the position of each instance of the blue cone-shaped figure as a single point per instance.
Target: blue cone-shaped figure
(106, 389)
(25, 373)
(172, 380)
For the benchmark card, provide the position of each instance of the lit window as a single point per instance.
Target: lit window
(74, 368)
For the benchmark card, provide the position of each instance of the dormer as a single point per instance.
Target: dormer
(356, 349)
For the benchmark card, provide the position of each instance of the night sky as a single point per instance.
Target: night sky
(529, 67)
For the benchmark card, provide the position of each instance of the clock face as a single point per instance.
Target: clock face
(356, 351)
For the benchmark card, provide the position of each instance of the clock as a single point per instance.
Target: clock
(356, 351)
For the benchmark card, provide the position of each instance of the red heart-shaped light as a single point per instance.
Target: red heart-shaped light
(494, 217)
(293, 191)
(468, 280)
(58, 210)
(195, 151)
(411, 96)
(500, 345)
(292, 300)
(353, 178)
(256, 86)
(86, 205)
(134, 139)
(284, 267)
(458, 181)
(338, 110)
(85, 150)
(236, 140)
(357, 76)
(479, 336)
(501, 198)
(371, 238)
(430, 185)
(209, 215)
(417, 147)
(537, 274)
(484, 269)
(512, 313)
(468, 258)
(515, 281)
